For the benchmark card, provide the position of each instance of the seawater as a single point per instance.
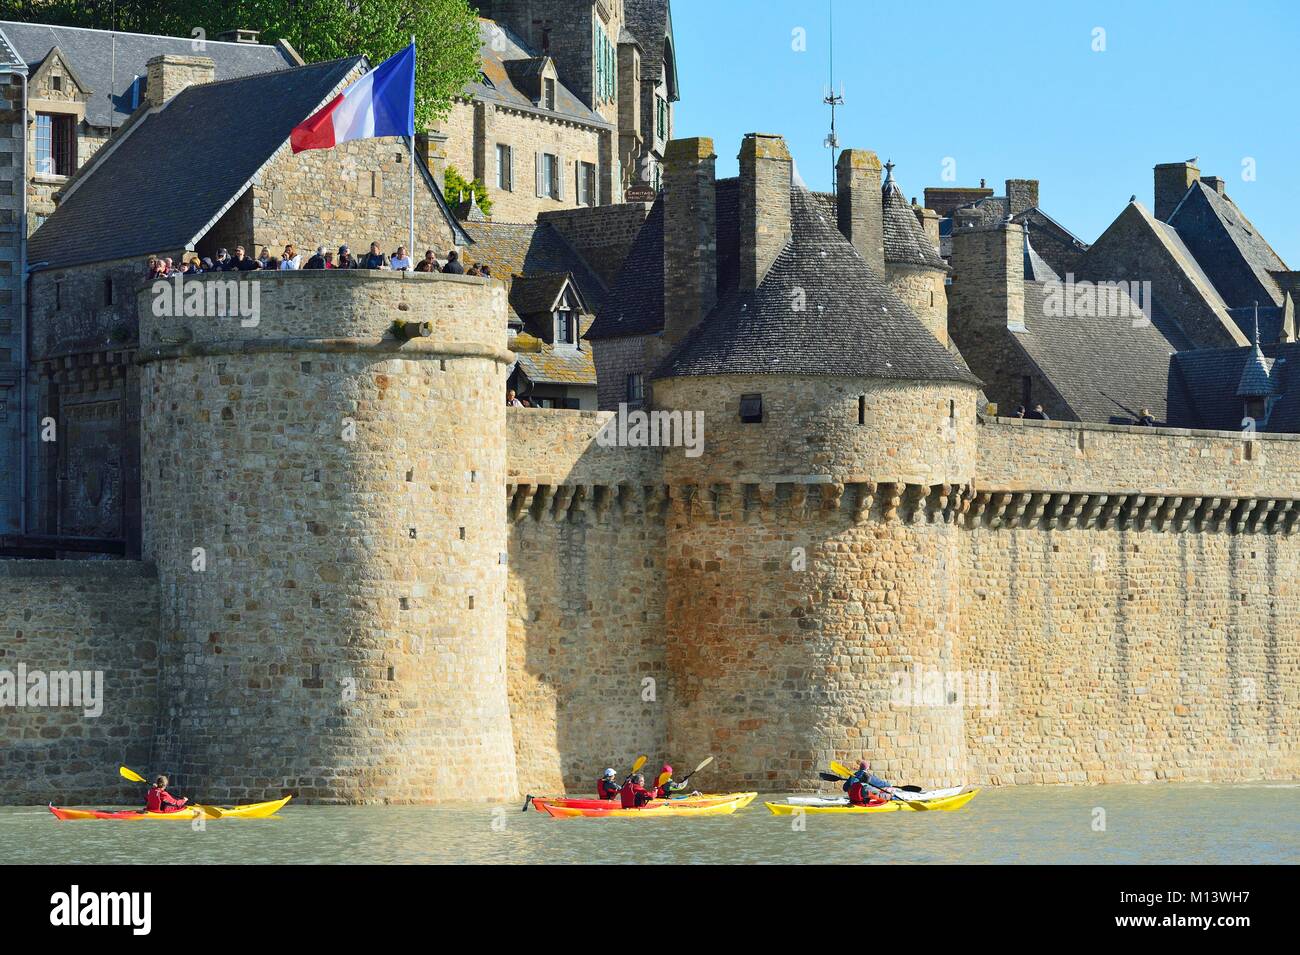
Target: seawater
(1158, 823)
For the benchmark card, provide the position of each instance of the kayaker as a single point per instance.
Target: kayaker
(158, 799)
(634, 795)
(669, 786)
(606, 787)
(861, 784)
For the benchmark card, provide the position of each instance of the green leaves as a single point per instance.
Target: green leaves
(446, 33)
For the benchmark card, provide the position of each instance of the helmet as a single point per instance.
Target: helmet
(667, 769)
(609, 774)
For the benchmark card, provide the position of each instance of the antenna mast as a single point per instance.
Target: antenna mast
(832, 99)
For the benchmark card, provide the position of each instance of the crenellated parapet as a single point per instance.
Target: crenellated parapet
(1130, 510)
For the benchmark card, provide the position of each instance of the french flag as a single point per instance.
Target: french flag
(381, 103)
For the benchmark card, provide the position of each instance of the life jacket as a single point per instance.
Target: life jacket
(607, 788)
(634, 796)
(160, 800)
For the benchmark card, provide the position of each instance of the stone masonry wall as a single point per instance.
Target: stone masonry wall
(585, 600)
(473, 131)
(341, 632)
(82, 616)
(602, 236)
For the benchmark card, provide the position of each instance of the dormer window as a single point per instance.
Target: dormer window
(548, 93)
(566, 327)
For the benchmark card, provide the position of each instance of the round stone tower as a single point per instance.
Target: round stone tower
(913, 266)
(323, 500)
(813, 551)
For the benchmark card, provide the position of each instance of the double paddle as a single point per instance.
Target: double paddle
(844, 773)
(636, 767)
(664, 777)
(212, 812)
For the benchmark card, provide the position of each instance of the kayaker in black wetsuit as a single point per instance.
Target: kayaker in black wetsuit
(861, 785)
(606, 787)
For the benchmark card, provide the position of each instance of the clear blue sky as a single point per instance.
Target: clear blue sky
(1013, 90)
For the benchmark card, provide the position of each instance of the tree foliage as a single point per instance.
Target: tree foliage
(446, 31)
(457, 186)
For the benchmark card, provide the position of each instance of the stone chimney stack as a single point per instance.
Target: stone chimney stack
(988, 284)
(929, 220)
(1173, 179)
(1214, 182)
(766, 171)
(1022, 194)
(857, 177)
(690, 236)
(169, 74)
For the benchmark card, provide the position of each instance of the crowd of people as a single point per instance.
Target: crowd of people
(291, 259)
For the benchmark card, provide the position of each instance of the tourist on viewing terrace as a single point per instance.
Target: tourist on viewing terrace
(156, 267)
(375, 260)
(222, 258)
(346, 261)
(240, 262)
(329, 260)
(1038, 414)
(1146, 419)
(266, 260)
(512, 400)
(429, 263)
(484, 269)
(400, 262)
(290, 260)
(453, 266)
(317, 261)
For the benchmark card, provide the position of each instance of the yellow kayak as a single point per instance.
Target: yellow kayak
(659, 808)
(255, 810)
(946, 805)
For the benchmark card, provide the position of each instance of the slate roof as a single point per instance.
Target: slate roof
(1204, 384)
(853, 325)
(9, 57)
(527, 249)
(1272, 321)
(650, 22)
(108, 62)
(537, 293)
(208, 137)
(1257, 375)
(545, 364)
(1105, 369)
(905, 240)
(504, 54)
(1227, 246)
(1036, 270)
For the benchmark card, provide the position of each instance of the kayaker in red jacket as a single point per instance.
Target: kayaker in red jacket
(634, 794)
(158, 799)
(606, 788)
(864, 789)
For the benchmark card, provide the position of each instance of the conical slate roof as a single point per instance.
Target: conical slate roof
(1257, 374)
(820, 310)
(905, 241)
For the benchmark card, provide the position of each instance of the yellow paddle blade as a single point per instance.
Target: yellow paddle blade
(841, 769)
(130, 774)
(640, 761)
(212, 812)
(663, 778)
(707, 760)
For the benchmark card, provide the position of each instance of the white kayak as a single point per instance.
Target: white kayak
(909, 796)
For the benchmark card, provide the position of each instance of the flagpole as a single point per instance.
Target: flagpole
(410, 249)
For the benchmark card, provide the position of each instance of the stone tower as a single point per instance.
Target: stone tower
(813, 547)
(323, 501)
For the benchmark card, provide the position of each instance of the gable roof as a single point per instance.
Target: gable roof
(9, 58)
(1106, 369)
(531, 250)
(1204, 386)
(540, 292)
(115, 209)
(108, 63)
(507, 62)
(1227, 246)
(851, 325)
(1036, 270)
(651, 24)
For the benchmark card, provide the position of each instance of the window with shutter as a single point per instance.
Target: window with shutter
(541, 175)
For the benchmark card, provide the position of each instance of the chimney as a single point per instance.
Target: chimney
(929, 220)
(988, 284)
(1022, 194)
(765, 178)
(169, 74)
(1214, 182)
(1173, 179)
(857, 177)
(238, 35)
(690, 236)
(433, 147)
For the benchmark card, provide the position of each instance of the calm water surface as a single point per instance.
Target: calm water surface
(1183, 823)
